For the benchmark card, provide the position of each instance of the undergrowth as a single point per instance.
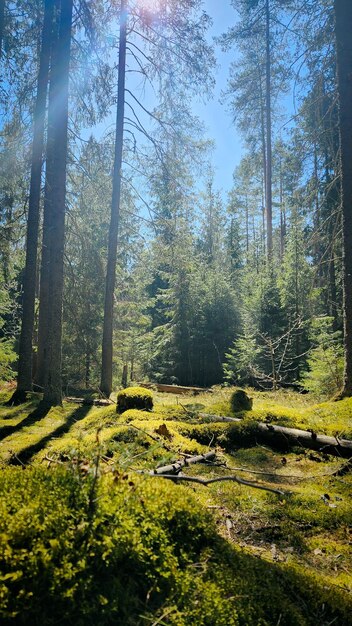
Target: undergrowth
(129, 550)
(85, 537)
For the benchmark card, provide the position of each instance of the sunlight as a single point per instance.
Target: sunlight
(148, 5)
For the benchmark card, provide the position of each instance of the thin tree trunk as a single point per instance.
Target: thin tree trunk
(106, 371)
(87, 368)
(282, 218)
(247, 227)
(262, 125)
(317, 243)
(268, 182)
(343, 29)
(24, 379)
(59, 105)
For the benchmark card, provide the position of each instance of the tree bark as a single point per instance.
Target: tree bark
(284, 437)
(24, 379)
(282, 217)
(343, 29)
(268, 180)
(107, 350)
(58, 102)
(39, 379)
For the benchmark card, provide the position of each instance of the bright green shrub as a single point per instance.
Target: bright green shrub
(240, 401)
(134, 398)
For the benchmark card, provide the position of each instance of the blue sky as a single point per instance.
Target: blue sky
(218, 122)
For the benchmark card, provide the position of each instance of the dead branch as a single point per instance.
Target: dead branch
(176, 467)
(209, 481)
(89, 401)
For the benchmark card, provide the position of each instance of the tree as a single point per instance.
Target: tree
(56, 196)
(255, 80)
(106, 368)
(173, 49)
(24, 378)
(343, 17)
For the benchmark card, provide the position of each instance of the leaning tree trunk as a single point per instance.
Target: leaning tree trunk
(343, 29)
(106, 369)
(24, 379)
(268, 180)
(58, 103)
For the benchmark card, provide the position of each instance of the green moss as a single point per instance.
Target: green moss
(240, 401)
(134, 398)
(291, 547)
(129, 550)
(135, 414)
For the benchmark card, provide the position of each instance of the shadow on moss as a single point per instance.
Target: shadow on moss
(149, 551)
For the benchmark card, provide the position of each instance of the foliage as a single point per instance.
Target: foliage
(7, 353)
(326, 361)
(7, 359)
(240, 364)
(134, 398)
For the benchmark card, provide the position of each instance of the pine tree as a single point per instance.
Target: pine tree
(24, 378)
(56, 196)
(343, 16)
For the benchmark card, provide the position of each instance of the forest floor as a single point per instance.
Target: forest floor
(306, 529)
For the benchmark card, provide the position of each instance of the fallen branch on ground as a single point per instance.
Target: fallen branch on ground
(177, 389)
(175, 468)
(209, 481)
(89, 401)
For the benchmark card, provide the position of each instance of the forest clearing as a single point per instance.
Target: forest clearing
(220, 554)
(176, 312)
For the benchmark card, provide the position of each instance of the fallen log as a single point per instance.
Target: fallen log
(279, 436)
(89, 401)
(177, 389)
(176, 467)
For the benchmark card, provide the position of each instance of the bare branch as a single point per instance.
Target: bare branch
(209, 481)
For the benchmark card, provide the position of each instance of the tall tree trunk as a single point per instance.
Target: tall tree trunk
(24, 379)
(106, 370)
(343, 29)
(50, 166)
(268, 181)
(59, 106)
(317, 212)
(262, 127)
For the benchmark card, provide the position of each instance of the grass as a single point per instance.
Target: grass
(304, 534)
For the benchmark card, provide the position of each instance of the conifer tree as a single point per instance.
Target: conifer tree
(56, 198)
(343, 17)
(24, 379)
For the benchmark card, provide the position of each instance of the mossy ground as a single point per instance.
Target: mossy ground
(301, 542)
